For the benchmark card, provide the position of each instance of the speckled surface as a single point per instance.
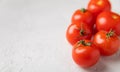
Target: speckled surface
(32, 37)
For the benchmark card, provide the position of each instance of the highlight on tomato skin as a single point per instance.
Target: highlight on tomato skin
(82, 15)
(108, 20)
(107, 42)
(85, 54)
(98, 6)
(75, 33)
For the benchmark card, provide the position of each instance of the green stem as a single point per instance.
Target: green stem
(83, 10)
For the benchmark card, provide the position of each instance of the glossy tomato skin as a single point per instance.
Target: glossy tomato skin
(98, 6)
(85, 56)
(108, 20)
(73, 33)
(83, 15)
(107, 45)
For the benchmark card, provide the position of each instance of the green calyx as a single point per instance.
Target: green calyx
(83, 10)
(84, 43)
(110, 33)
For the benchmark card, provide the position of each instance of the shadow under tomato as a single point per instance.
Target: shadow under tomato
(101, 64)
(99, 67)
(113, 58)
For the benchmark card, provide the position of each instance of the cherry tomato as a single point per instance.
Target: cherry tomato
(75, 33)
(107, 42)
(85, 53)
(98, 6)
(82, 15)
(108, 20)
(95, 30)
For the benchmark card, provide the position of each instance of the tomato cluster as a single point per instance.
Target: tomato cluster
(93, 32)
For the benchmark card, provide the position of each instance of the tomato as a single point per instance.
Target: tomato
(108, 20)
(98, 6)
(95, 30)
(107, 42)
(75, 33)
(82, 15)
(85, 53)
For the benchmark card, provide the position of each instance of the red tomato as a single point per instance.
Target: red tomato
(98, 6)
(107, 42)
(95, 30)
(82, 15)
(85, 53)
(75, 33)
(108, 20)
